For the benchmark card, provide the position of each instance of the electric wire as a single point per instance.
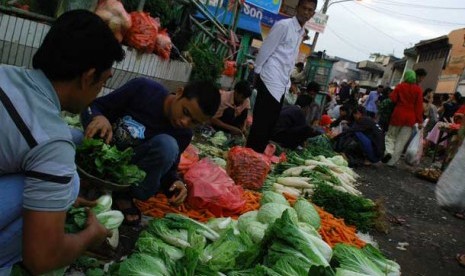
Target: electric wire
(363, 51)
(410, 5)
(376, 28)
(410, 17)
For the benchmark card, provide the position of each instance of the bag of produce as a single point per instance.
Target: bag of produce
(247, 167)
(163, 44)
(211, 188)
(415, 149)
(143, 32)
(450, 190)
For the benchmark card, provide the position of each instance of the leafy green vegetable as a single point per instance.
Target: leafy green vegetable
(108, 163)
(221, 225)
(159, 228)
(103, 204)
(111, 219)
(149, 244)
(312, 247)
(273, 197)
(183, 222)
(306, 212)
(95, 272)
(144, 264)
(353, 259)
(269, 212)
(389, 267)
(358, 211)
(290, 266)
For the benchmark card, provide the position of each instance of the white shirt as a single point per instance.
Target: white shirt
(277, 56)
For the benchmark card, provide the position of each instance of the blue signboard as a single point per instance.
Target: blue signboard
(266, 17)
(272, 6)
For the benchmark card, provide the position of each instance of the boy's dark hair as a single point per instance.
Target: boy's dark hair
(420, 72)
(360, 109)
(313, 86)
(458, 97)
(243, 88)
(381, 86)
(78, 40)
(207, 95)
(311, 1)
(343, 108)
(303, 100)
(427, 90)
(299, 65)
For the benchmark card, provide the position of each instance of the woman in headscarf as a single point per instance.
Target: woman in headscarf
(408, 111)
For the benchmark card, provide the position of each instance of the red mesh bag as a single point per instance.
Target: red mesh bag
(211, 188)
(143, 32)
(163, 45)
(188, 158)
(247, 167)
(229, 68)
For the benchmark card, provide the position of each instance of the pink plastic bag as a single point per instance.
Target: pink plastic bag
(188, 158)
(211, 188)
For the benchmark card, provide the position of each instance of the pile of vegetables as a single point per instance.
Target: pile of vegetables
(107, 162)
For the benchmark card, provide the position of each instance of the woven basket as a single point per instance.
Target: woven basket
(100, 183)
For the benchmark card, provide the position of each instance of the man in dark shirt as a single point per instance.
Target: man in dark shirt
(142, 114)
(292, 128)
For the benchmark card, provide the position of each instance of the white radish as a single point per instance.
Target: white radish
(294, 181)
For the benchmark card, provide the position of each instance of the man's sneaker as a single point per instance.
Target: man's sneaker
(386, 158)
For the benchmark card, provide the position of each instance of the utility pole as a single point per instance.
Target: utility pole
(315, 38)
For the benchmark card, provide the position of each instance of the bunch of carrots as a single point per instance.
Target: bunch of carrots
(333, 230)
(158, 205)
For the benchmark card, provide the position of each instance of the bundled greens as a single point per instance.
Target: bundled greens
(108, 163)
(358, 211)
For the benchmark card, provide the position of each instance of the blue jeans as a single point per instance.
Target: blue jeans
(11, 221)
(156, 157)
(367, 147)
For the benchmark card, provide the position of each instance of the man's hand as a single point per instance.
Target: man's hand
(99, 124)
(236, 131)
(100, 233)
(82, 202)
(180, 193)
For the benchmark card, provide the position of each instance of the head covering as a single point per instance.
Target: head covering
(410, 76)
(325, 120)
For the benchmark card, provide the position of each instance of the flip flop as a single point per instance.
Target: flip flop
(132, 210)
(460, 259)
(460, 215)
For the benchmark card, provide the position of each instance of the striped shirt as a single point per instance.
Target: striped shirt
(35, 141)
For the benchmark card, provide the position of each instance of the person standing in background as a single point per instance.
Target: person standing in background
(371, 104)
(273, 67)
(408, 111)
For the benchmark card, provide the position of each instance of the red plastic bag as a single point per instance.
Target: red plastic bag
(211, 188)
(229, 68)
(189, 157)
(270, 151)
(143, 33)
(163, 44)
(247, 167)
(114, 14)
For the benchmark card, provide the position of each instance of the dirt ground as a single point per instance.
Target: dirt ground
(434, 236)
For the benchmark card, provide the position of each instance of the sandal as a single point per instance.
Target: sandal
(132, 210)
(460, 259)
(459, 215)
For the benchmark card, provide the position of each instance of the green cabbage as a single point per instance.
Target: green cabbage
(353, 259)
(220, 225)
(345, 272)
(269, 212)
(273, 197)
(183, 222)
(110, 219)
(387, 266)
(144, 264)
(175, 237)
(339, 161)
(306, 212)
(103, 204)
(255, 230)
(151, 245)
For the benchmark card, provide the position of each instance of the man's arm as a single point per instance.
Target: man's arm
(46, 246)
(276, 35)
(234, 130)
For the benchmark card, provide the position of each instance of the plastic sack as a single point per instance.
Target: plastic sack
(247, 167)
(116, 17)
(163, 44)
(143, 32)
(450, 190)
(415, 149)
(189, 157)
(211, 188)
(229, 68)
